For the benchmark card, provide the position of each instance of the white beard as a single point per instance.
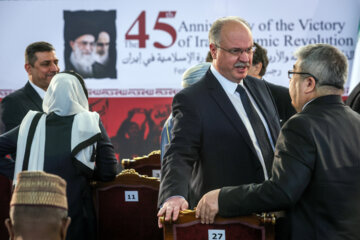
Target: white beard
(82, 62)
(102, 59)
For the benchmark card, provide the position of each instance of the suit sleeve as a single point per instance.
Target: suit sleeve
(8, 143)
(105, 158)
(183, 150)
(293, 163)
(12, 112)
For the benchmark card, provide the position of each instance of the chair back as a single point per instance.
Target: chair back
(188, 227)
(149, 165)
(126, 208)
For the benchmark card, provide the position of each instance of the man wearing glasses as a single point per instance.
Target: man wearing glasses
(316, 174)
(225, 125)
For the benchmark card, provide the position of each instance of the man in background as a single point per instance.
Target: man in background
(214, 143)
(41, 65)
(104, 66)
(38, 208)
(102, 48)
(316, 174)
(82, 55)
(354, 99)
(280, 94)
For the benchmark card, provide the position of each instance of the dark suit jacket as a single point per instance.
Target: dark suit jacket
(211, 147)
(354, 99)
(16, 105)
(282, 100)
(316, 174)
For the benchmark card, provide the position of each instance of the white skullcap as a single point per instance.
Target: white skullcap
(194, 74)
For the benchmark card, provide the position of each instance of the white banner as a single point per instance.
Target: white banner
(153, 42)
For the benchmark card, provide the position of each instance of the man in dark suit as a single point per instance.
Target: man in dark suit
(41, 64)
(316, 174)
(354, 99)
(280, 94)
(214, 143)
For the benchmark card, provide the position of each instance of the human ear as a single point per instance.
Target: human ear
(10, 228)
(64, 227)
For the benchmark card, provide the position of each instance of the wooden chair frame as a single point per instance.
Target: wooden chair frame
(127, 178)
(187, 217)
(150, 160)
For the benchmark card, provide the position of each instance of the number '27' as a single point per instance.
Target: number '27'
(142, 36)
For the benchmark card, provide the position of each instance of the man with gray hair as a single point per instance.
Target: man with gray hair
(316, 174)
(190, 76)
(225, 125)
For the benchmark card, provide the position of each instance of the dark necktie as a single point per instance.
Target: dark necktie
(259, 129)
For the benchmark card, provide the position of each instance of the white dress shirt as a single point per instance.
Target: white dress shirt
(230, 89)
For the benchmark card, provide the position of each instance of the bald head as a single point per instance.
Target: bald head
(231, 47)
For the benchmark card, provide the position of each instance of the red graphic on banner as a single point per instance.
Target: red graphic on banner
(133, 124)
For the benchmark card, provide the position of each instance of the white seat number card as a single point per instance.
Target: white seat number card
(131, 196)
(156, 173)
(216, 234)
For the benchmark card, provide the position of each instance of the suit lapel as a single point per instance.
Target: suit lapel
(223, 101)
(265, 104)
(33, 96)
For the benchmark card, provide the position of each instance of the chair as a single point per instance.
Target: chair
(5, 193)
(188, 227)
(149, 165)
(126, 208)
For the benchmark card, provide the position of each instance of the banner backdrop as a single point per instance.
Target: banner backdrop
(132, 55)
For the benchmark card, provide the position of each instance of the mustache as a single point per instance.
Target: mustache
(242, 64)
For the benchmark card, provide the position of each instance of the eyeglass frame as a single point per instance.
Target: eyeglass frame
(238, 51)
(292, 72)
(316, 80)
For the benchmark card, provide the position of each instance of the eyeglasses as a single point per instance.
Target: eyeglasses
(291, 73)
(238, 51)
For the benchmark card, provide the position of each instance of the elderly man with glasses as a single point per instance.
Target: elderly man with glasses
(316, 174)
(225, 125)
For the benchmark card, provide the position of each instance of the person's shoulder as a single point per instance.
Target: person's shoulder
(14, 95)
(17, 92)
(255, 80)
(298, 124)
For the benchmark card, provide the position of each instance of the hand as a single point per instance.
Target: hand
(208, 206)
(172, 207)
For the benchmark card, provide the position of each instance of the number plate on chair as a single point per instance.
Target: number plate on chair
(216, 234)
(131, 196)
(156, 173)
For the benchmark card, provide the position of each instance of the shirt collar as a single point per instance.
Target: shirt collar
(39, 91)
(228, 86)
